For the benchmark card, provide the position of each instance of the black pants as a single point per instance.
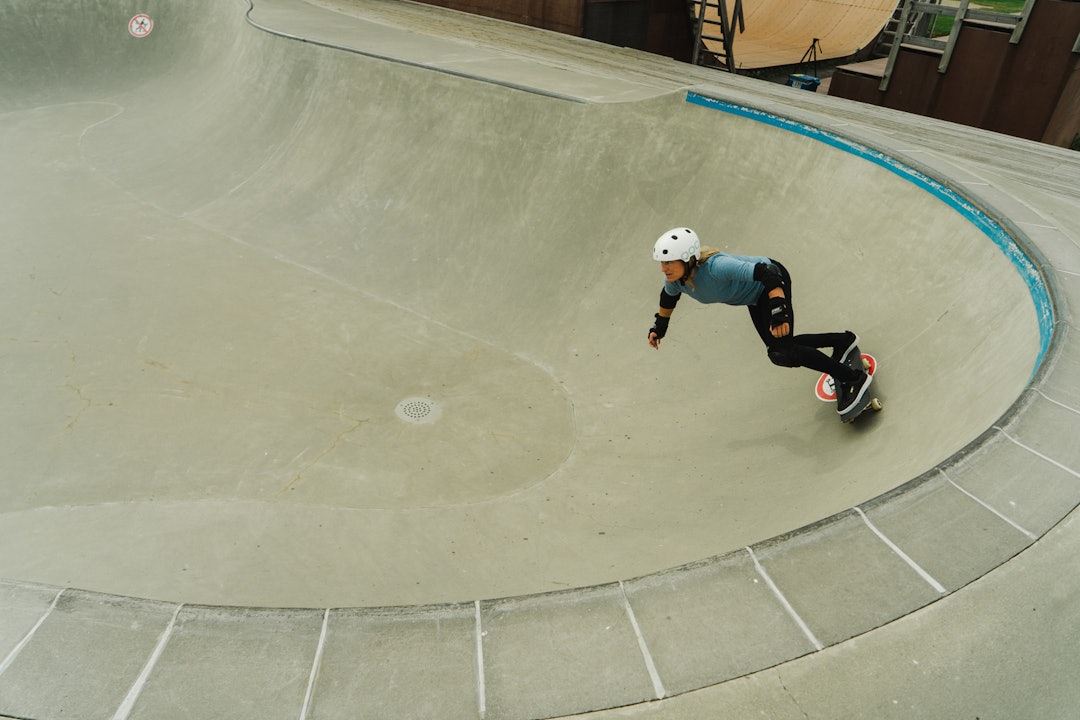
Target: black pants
(798, 350)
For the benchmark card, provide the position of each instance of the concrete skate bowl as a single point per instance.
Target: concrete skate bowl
(291, 326)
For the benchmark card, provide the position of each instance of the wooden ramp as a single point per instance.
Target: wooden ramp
(779, 32)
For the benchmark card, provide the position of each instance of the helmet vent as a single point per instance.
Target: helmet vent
(418, 410)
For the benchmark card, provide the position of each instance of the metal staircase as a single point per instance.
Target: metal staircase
(914, 16)
(712, 22)
(916, 23)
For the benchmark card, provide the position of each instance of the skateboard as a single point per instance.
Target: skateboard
(826, 387)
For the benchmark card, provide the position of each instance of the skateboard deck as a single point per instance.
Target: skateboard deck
(826, 386)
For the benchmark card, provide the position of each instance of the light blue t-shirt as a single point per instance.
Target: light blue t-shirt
(722, 278)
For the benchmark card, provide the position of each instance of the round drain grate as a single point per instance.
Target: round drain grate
(418, 410)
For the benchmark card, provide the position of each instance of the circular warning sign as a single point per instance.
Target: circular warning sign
(826, 388)
(140, 25)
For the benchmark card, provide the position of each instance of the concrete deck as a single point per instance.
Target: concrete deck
(236, 247)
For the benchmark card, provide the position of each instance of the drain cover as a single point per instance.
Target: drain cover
(418, 410)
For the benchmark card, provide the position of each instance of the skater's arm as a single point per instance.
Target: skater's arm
(783, 329)
(659, 328)
(663, 314)
(769, 275)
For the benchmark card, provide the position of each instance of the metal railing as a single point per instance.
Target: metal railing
(914, 10)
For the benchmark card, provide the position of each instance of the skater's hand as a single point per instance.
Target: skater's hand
(659, 328)
(780, 310)
(781, 331)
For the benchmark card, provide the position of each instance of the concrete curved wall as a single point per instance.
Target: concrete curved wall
(363, 232)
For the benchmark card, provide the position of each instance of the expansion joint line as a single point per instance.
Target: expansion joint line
(316, 665)
(658, 685)
(1056, 402)
(481, 689)
(784, 602)
(124, 711)
(1030, 535)
(26, 639)
(902, 555)
(1036, 453)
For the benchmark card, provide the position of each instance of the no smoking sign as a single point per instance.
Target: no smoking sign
(826, 386)
(140, 26)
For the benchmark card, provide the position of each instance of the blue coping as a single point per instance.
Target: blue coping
(1027, 269)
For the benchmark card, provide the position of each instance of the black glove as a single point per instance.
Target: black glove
(779, 311)
(660, 326)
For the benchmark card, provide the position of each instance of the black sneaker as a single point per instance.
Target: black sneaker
(850, 393)
(841, 352)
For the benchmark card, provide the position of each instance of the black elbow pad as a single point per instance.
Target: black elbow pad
(668, 302)
(768, 275)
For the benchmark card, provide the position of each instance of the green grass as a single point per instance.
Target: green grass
(1002, 6)
(943, 23)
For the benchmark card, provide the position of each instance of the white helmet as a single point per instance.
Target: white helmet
(677, 244)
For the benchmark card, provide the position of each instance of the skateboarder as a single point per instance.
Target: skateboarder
(764, 286)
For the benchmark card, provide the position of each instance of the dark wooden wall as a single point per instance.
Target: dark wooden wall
(1029, 90)
(657, 26)
(563, 16)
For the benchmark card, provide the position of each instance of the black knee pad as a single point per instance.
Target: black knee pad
(783, 355)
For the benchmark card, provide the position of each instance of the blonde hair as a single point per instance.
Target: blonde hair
(706, 253)
(703, 255)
